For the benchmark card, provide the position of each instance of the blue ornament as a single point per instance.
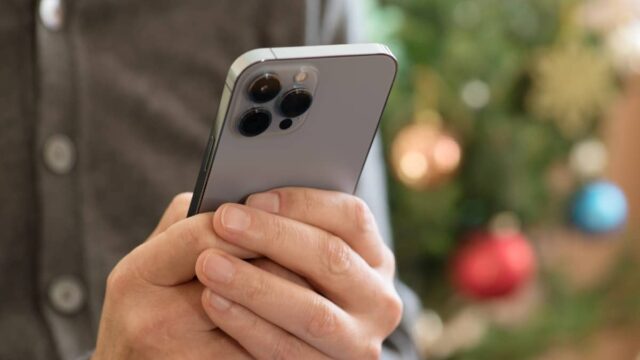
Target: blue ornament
(599, 207)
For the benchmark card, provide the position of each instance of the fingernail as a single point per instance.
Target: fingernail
(234, 218)
(218, 269)
(269, 202)
(218, 302)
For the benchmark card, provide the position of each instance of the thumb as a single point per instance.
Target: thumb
(176, 211)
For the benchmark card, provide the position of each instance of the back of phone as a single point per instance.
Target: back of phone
(302, 117)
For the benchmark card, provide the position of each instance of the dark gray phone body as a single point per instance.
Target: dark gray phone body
(326, 148)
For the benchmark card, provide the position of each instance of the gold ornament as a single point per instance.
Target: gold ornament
(424, 156)
(571, 85)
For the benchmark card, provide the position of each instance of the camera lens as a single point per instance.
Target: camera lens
(286, 124)
(254, 122)
(295, 103)
(265, 88)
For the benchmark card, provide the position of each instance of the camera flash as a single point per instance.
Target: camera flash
(301, 77)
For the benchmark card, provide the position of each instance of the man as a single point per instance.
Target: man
(104, 104)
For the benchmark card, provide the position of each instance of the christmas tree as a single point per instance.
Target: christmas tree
(492, 134)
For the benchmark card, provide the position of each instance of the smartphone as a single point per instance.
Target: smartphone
(295, 116)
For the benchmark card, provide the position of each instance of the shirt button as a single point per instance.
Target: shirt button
(52, 14)
(66, 295)
(59, 154)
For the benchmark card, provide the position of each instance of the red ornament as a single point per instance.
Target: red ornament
(493, 265)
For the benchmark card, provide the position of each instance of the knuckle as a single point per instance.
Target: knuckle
(298, 200)
(306, 198)
(192, 234)
(393, 309)
(362, 214)
(278, 229)
(118, 281)
(189, 235)
(323, 320)
(287, 348)
(372, 351)
(337, 255)
(275, 232)
(389, 258)
(257, 290)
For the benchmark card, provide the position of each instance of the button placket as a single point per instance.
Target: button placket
(64, 294)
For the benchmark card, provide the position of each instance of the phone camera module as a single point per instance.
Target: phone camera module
(286, 124)
(254, 122)
(265, 88)
(295, 103)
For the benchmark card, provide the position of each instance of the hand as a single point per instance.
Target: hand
(152, 307)
(332, 241)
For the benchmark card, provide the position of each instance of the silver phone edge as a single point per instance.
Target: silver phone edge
(256, 56)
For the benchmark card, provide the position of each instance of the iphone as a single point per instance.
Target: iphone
(296, 116)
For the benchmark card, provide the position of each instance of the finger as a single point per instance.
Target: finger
(275, 269)
(169, 258)
(260, 338)
(343, 215)
(298, 310)
(326, 261)
(176, 211)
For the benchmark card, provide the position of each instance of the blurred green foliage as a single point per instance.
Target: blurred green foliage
(507, 150)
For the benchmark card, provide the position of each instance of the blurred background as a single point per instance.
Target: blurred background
(514, 179)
